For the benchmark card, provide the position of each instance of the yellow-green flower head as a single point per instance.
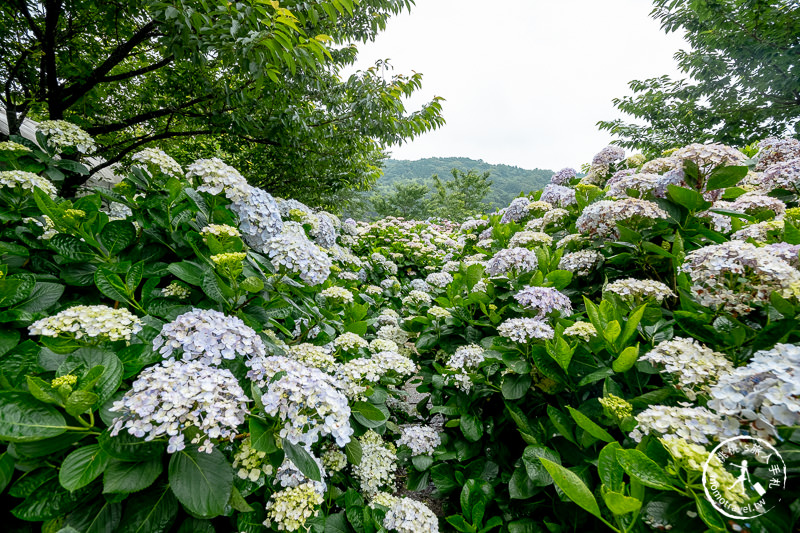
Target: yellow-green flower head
(124, 188)
(11, 146)
(67, 379)
(220, 230)
(616, 407)
(229, 260)
(635, 161)
(793, 213)
(75, 214)
(586, 188)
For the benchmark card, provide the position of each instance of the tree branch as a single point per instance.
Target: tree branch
(144, 117)
(138, 72)
(120, 53)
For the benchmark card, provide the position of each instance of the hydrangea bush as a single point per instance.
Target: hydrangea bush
(184, 352)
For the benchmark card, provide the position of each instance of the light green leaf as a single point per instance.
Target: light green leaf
(572, 486)
(82, 466)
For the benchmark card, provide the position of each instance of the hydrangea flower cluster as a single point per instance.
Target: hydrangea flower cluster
(63, 134)
(524, 330)
(512, 261)
(160, 160)
(96, 322)
(208, 336)
(696, 424)
(584, 330)
(524, 238)
(545, 300)
(709, 156)
(760, 231)
(417, 298)
(309, 404)
(176, 290)
(293, 250)
(638, 291)
(422, 440)
(410, 516)
(259, 217)
(466, 357)
(324, 232)
(563, 176)
(11, 146)
(392, 361)
(439, 280)
(383, 345)
(582, 262)
(558, 195)
(350, 342)
(333, 460)
(250, 463)
(516, 210)
(764, 393)
(339, 294)
(616, 408)
(645, 184)
(439, 312)
(693, 457)
(393, 333)
(693, 365)
(217, 177)
(736, 274)
(313, 356)
(172, 396)
(378, 463)
(600, 218)
(291, 508)
(220, 230)
(27, 181)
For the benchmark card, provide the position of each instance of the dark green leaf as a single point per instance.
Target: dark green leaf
(82, 466)
(24, 419)
(121, 476)
(201, 481)
(149, 512)
(643, 469)
(573, 487)
(302, 460)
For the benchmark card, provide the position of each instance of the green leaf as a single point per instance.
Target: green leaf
(619, 504)
(23, 419)
(631, 326)
(368, 411)
(121, 476)
(82, 466)
(187, 271)
(572, 486)
(626, 359)
(42, 297)
(536, 471)
(6, 470)
(471, 427)
(97, 516)
(521, 487)
(149, 512)
(688, 198)
(723, 177)
(252, 284)
(126, 447)
(611, 332)
(610, 471)
(302, 460)
(561, 423)
(80, 401)
(643, 469)
(117, 235)
(587, 424)
(201, 481)
(14, 290)
(8, 340)
(42, 391)
(709, 515)
(515, 386)
(134, 276)
(71, 248)
(371, 422)
(262, 437)
(88, 358)
(111, 285)
(50, 500)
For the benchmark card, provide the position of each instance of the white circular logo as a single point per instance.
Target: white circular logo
(731, 483)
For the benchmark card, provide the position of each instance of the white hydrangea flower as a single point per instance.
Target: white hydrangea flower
(524, 330)
(217, 177)
(220, 230)
(439, 312)
(394, 362)
(27, 181)
(307, 401)
(584, 330)
(466, 357)
(339, 294)
(638, 291)
(46, 224)
(63, 134)
(473, 224)
(333, 460)
(513, 261)
(314, 356)
(545, 300)
(394, 334)
(292, 249)
(259, 218)
(515, 210)
(350, 342)
(582, 262)
(378, 464)
(383, 345)
(600, 218)
(410, 516)
(709, 156)
(558, 195)
(11, 146)
(209, 336)
(694, 365)
(289, 509)
(563, 176)
(695, 424)
(98, 322)
(176, 290)
(439, 279)
(172, 396)
(422, 440)
(159, 159)
(765, 393)
(417, 298)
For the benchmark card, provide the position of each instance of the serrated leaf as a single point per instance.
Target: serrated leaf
(24, 419)
(201, 481)
(573, 487)
(82, 466)
(122, 476)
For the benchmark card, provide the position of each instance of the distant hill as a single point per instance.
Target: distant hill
(507, 181)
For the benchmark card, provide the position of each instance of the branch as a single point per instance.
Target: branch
(120, 53)
(37, 31)
(166, 135)
(143, 117)
(133, 73)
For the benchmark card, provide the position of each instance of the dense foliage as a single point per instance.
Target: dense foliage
(185, 352)
(260, 81)
(742, 82)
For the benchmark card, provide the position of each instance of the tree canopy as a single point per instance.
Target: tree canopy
(258, 81)
(743, 77)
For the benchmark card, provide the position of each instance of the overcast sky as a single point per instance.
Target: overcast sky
(525, 81)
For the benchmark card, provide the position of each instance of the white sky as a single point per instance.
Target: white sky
(524, 81)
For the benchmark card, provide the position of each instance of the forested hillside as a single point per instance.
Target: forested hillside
(507, 181)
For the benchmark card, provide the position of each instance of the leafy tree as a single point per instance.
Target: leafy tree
(743, 82)
(263, 78)
(462, 196)
(407, 201)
